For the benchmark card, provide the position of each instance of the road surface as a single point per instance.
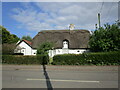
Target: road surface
(38, 76)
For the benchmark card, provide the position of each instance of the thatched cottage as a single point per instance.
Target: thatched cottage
(65, 41)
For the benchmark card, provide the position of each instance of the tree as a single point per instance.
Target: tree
(14, 38)
(8, 41)
(0, 40)
(7, 37)
(43, 50)
(106, 38)
(44, 47)
(28, 38)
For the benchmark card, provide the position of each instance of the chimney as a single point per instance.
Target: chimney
(71, 27)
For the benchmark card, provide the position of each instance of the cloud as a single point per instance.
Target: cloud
(50, 16)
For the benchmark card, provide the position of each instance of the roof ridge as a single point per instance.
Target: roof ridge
(64, 30)
(28, 42)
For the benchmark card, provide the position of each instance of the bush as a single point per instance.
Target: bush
(8, 49)
(106, 38)
(69, 59)
(102, 58)
(18, 59)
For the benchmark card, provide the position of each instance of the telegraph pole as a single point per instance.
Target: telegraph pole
(99, 20)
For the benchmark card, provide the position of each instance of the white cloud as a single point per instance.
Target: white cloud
(60, 0)
(46, 16)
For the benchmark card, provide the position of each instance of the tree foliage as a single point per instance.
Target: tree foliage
(28, 38)
(8, 41)
(7, 37)
(44, 47)
(106, 38)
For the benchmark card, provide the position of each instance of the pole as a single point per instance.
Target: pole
(99, 20)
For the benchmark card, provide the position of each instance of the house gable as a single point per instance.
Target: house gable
(24, 47)
(26, 42)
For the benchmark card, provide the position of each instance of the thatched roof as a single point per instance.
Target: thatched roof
(76, 38)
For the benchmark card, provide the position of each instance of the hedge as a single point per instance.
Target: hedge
(18, 59)
(101, 58)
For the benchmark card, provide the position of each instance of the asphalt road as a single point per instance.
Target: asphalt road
(35, 76)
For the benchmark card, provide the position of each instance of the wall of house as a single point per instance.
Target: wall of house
(17, 50)
(66, 51)
(25, 49)
(34, 52)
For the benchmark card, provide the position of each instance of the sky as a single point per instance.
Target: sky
(29, 18)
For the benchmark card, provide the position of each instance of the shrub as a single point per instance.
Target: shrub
(106, 38)
(68, 59)
(18, 59)
(8, 49)
(44, 48)
(102, 58)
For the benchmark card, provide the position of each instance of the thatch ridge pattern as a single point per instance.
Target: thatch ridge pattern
(76, 38)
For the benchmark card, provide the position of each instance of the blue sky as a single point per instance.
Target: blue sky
(28, 18)
(10, 23)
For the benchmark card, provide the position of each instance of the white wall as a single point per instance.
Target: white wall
(34, 51)
(77, 51)
(25, 49)
(66, 51)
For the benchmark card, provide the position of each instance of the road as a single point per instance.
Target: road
(36, 76)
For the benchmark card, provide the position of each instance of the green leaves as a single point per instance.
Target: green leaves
(28, 38)
(8, 41)
(98, 58)
(7, 37)
(44, 47)
(17, 59)
(107, 38)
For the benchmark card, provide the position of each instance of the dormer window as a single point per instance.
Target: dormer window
(65, 44)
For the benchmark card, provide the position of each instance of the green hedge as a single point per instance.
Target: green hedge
(18, 59)
(101, 58)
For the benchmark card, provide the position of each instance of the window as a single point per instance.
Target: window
(22, 50)
(65, 44)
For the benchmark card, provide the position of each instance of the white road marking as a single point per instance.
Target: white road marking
(29, 69)
(65, 80)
